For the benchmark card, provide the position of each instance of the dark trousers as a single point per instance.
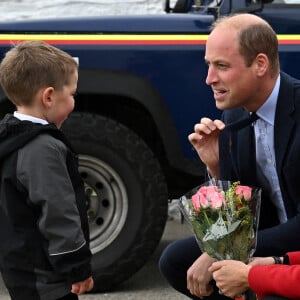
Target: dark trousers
(177, 258)
(174, 262)
(70, 296)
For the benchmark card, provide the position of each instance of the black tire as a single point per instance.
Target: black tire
(127, 192)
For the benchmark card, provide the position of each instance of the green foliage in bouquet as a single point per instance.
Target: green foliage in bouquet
(224, 218)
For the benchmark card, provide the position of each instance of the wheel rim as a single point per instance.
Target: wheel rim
(107, 201)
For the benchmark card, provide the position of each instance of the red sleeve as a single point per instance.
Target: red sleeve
(281, 280)
(294, 257)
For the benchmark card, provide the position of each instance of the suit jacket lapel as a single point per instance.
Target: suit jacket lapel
(245, 156)
(284, 122)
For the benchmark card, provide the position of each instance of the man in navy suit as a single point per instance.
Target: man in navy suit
(244, 74)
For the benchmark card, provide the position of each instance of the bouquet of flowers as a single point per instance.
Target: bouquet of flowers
(224, 218)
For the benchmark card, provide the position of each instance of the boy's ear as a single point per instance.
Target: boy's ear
(47, 96)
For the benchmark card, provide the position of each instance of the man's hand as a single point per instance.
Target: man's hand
(198, 277)
(81, 287)
(205, 140)
(231, 277)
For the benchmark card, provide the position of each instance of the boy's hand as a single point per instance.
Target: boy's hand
(81, 287)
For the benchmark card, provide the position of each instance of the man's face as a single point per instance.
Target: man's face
(233, 83)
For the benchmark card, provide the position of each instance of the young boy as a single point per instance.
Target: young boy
(44, 249)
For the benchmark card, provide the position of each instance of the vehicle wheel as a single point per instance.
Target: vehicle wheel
(127, 196)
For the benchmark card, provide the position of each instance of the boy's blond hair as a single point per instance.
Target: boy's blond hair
(32, 65)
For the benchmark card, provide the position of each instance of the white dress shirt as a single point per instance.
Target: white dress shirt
(23, 117)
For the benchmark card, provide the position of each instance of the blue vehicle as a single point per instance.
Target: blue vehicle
(141, 90)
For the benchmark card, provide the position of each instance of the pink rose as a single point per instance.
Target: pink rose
(244, 191)
(208, 196)
(199, 201)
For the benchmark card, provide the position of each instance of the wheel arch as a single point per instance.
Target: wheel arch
(123, 95)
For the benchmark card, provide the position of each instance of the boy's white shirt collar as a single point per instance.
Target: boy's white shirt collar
(23, 117)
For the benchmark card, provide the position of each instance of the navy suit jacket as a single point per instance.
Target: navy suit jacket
(273, 238)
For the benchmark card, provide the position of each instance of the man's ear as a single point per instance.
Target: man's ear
(261, 64)
(47, 97)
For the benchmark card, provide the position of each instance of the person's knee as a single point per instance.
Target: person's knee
(165, 265)
(178, 256)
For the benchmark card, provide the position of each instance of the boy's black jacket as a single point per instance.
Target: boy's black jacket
(43, 222)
